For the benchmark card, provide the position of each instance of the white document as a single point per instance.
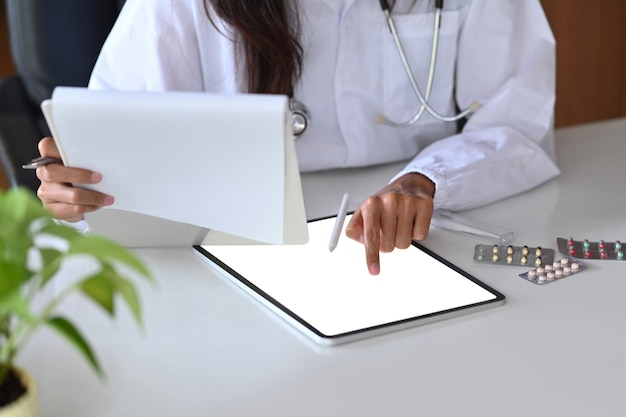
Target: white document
(184, 167)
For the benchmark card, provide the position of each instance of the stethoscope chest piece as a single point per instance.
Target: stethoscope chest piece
(299, 117)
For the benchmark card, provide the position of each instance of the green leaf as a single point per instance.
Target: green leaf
(51, 260)
(129, 294)
(67, 330)
(61, 230)
(106, 250)
(104, 286)
(12, 275)
(101, 291)
(16, 304)
(14, 246)
(19, 207)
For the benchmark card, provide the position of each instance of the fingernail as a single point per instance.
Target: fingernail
(96, 178)
(374, 269)
(108, 200)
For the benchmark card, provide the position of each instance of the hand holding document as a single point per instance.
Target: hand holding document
(217, 168)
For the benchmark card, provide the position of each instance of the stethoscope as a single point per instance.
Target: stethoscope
(300, 116)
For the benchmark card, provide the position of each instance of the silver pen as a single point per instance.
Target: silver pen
(41, 161)
(341, 217)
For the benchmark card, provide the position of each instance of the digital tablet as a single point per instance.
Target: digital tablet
(331, 297)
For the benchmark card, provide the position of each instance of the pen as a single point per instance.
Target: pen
(341, 217)
(41, 161)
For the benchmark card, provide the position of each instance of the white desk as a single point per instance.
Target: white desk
(208, 349)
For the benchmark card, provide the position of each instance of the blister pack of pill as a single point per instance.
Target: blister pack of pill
(513, 255)
(584, 249)
(563, 268)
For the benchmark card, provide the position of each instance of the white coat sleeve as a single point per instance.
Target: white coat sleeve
(505, 61)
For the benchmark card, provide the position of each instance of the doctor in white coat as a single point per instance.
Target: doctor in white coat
(495, 58)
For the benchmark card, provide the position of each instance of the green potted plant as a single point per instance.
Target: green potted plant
(33, 249)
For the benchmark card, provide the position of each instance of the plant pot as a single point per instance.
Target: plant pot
(26, 405)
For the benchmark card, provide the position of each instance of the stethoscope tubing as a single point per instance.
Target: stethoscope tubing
(423, 98)
(300, 116)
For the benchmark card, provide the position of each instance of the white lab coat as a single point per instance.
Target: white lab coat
(500, 53)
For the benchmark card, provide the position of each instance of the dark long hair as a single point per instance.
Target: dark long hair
(268, 34)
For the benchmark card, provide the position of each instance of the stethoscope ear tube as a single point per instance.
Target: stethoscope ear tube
(423, 98)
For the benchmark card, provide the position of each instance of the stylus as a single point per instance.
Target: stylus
(341, 217)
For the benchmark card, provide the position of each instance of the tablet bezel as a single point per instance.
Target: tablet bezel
(313, 333)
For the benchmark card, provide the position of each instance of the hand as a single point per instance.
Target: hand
(59, 196)
(393, 217)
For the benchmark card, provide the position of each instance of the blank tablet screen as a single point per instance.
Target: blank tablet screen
(332, 294)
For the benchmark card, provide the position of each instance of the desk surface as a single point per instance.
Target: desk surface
(208, 349)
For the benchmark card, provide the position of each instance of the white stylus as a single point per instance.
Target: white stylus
(341, 217)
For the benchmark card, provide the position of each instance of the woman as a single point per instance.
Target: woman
(338, 57)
